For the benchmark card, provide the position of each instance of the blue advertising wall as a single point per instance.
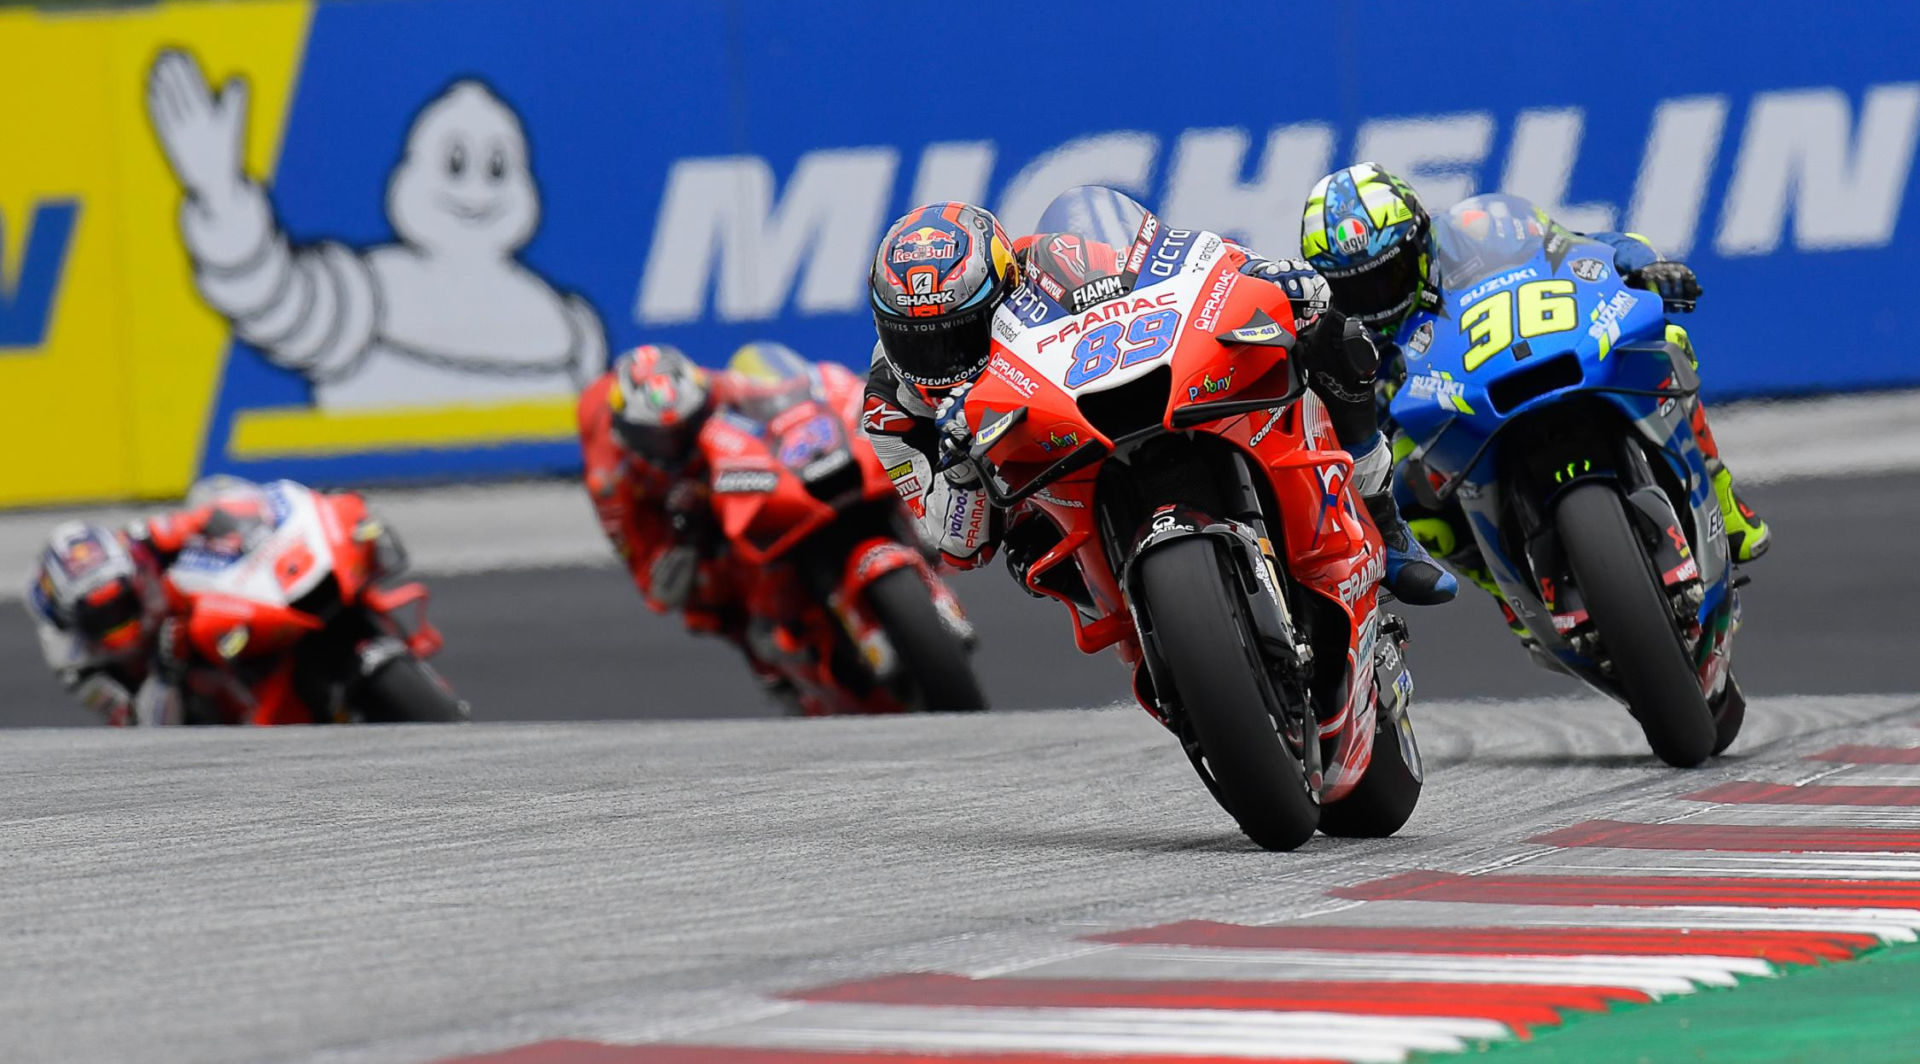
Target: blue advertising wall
(705, 174)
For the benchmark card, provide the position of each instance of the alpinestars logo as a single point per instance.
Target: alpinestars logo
(883, 418)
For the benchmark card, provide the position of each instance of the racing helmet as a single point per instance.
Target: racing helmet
(941, 272)
(89, 585)
(659, 399)
(1367, 234)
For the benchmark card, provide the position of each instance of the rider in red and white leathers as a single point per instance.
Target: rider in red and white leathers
(934, 342)
(109, 626)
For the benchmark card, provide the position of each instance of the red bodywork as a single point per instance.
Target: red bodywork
(767, 511)
(1326, 542)
(243, 647)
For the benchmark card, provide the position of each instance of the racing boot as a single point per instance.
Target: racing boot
(1412, 574)
(1747, 535)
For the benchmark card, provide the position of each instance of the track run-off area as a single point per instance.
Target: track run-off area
(538, 888)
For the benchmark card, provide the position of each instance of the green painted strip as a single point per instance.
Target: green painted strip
(1865, 1011)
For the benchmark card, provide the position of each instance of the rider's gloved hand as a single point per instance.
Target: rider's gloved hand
(689, 510)
(171, 651)
(1305, 288)
(956, 438)
(1674, 282)
(108, 697)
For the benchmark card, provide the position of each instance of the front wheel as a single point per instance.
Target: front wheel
(1629, 609)
(1381, 802)
(407, 690)
(932, 655)
(1207, 646)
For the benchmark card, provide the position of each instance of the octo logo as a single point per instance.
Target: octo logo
(26, 299)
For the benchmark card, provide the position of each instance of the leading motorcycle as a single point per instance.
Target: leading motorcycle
(1141, 398)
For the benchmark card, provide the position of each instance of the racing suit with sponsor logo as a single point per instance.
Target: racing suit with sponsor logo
(162, 680)
(1339, 356)
(658, 519)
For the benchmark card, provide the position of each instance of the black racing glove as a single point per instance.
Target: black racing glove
(1675, 283)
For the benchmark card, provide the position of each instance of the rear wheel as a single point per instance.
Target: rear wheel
(1630, 611)
(1386, 795)
(932, 656)
(1209, 652)
(407, 690)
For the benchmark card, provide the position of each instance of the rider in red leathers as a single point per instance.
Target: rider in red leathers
(650, 488)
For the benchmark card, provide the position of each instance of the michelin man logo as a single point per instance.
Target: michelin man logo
(447, 315)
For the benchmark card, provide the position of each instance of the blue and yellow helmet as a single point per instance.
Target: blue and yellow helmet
(1367, 234)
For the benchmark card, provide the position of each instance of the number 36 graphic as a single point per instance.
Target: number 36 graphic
(1538, 308)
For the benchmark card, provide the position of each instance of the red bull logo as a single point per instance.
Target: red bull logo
(925, 244)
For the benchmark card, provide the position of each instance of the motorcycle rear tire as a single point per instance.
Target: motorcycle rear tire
(407, 691)
(1208, 649)
(932, 656)
(1629, 608)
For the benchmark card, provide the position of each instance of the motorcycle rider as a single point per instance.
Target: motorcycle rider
(1367, 233)
(649, 485)
(934, 343)
(108, 625)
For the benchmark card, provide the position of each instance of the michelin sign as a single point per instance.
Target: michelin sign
(352, 242)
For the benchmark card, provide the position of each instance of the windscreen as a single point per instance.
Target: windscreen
(1485, 235)
(771, 378)
(1084, 244)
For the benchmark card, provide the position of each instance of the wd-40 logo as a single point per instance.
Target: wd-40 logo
(1814, 169)
(27, 290)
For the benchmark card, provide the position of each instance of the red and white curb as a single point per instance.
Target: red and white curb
(1745, 879)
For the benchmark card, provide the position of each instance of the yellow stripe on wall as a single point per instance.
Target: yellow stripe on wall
(300, 431)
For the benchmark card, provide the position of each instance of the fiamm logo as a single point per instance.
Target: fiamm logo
(31, 262)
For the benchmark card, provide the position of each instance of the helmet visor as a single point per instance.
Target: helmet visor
(938, 352)
(1381, 289)
(103, 616)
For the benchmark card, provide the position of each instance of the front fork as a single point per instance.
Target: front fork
(1246, 545)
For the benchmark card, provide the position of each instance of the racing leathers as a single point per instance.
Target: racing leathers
(658, 519)
(1338, 355)
(161, 678)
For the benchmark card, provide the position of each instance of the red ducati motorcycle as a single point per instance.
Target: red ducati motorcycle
(839, 598)
(285, 592)
(1140, 397)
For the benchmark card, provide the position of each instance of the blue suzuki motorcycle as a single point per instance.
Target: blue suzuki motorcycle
(1552, 404)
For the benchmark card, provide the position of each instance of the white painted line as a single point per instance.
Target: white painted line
(1651, 974)
(1178, 1032)
(1852, 435)
(1791, 865)
(1889, 925)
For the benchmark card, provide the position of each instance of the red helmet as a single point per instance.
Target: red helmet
(660, 399)
(941, 272)
(89, 585)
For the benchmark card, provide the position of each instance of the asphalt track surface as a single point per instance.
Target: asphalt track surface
(361, 895)
(1828, 612)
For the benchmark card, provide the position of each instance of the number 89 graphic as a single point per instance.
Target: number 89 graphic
(1099, 351)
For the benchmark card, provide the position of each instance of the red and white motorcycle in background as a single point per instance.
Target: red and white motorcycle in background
(283, 594)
